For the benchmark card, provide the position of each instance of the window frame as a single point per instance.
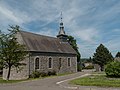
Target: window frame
(35, 63)
(51, 63)
(69, 62)
(60, 62)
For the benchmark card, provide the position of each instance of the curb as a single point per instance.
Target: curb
(60, 82)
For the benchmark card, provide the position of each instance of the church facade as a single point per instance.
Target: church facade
(45, 54)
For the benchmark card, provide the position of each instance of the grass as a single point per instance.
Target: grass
(16, 81)
(63, 74)
(11, 81)
(97, 80)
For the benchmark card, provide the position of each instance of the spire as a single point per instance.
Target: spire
(61, 35)
(61, 32)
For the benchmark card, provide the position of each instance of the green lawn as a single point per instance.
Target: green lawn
(16, 81)
(11, 81)
(97, 80)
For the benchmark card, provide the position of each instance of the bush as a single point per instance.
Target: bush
(35, 74)
(43, 74)
(79, 67)
(51, 73)
(113, 69)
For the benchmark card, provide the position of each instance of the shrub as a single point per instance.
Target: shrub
(35, 74)
(51, 73)
(113, 69)
(79, 67)
(43, 74)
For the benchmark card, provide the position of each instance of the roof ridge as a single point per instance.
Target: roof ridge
(38, 34)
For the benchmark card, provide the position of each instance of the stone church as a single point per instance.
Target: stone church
(45, 54)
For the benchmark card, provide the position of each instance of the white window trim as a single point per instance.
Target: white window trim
(51, 63)
(34, 63)
(67, 62)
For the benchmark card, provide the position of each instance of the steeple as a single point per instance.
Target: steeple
(61, 27)
(61, 35)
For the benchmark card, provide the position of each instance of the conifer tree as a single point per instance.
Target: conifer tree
(118, 54)
(102, 56)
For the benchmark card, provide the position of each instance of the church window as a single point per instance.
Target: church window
(69, 62)
(37, 63)
(60, 62)
(50, 63)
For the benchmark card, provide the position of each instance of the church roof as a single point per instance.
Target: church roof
(41, 43)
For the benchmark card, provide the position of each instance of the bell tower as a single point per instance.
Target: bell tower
(61, 35)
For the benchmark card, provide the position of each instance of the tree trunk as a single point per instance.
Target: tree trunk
(9, 69)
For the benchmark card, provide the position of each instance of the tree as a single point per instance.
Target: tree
(11, 52)
(102, 56)
(73, 43)
(118, 54)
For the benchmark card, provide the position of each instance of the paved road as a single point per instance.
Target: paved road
(42, 84)
(48, 84)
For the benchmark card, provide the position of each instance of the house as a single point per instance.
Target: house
(117, 59)
(45, 54)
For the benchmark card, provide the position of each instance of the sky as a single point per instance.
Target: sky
(90, 22)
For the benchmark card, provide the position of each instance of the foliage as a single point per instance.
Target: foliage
(118, 54)
(102, 56)
(79, 67)
(73, 43)
(97, 80)
(35, 74)
(51, 73)
(113, 69)
(11, 52)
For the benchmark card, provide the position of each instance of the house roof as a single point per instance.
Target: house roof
(41, 43)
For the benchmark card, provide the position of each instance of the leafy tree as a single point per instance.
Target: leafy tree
(11, 52)
(102, 56)
(118, 54)
(73, 43)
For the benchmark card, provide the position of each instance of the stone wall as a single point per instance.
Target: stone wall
(55, 57)
(29, 68)
(17, 75)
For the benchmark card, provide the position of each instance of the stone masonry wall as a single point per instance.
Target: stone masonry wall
(55, 65)
(29, 68)
(17, 75)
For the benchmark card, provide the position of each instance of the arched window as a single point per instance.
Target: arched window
(50, 63)
(69, 62)
(37, 63)
(60, 62)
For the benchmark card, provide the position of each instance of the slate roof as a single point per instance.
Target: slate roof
(41, 43)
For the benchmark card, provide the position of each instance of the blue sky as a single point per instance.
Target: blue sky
(91, 22)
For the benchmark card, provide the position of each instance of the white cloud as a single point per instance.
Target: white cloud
(84, 19)
(9, 14)
(89, 35)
